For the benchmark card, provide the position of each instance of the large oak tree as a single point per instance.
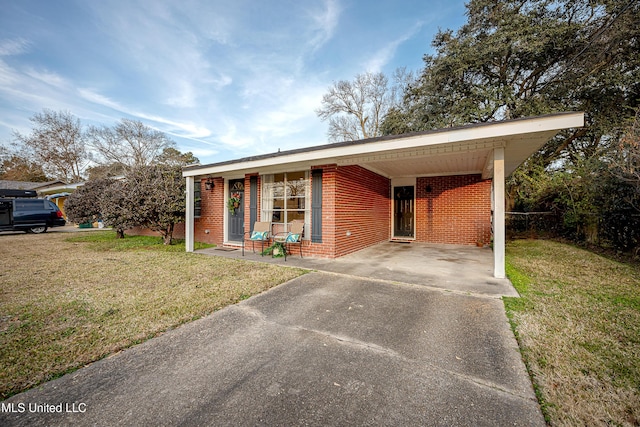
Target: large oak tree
(516, 58)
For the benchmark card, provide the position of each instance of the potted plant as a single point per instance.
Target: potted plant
(276, 250)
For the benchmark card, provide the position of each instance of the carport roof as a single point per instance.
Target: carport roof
(453, 151)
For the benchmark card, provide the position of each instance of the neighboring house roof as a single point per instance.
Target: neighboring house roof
(62, 187)
(50, 185)
(459, 150)
(27, 185)
(17, 185)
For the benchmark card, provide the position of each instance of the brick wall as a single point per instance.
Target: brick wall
(457, 210)
(362, 208)
(354, 200)
(327, 248)
(212, 214)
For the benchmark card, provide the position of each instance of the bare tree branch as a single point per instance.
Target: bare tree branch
(58, 143)
(130, 143)
(356, 109)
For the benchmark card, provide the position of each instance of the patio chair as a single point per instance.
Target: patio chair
(261, 233)
(292, 237)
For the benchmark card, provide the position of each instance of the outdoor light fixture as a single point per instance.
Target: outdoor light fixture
(428, 189)
(209, 184)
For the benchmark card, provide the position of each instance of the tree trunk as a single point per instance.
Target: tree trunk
(120, 233)
(167, 235)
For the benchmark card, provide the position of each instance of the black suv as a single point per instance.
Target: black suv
(17, 212)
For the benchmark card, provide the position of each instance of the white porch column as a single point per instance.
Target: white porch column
(498, 214)
(189, 221)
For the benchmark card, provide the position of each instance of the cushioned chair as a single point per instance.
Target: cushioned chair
(261, 233)
(292, 237)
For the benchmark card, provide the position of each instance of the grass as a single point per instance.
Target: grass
(67, 301)
(578, 326)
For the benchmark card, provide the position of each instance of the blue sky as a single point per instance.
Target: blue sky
(224, 79)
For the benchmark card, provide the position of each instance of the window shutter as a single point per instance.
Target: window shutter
(197, 199)
(253, 201)
(316, 206)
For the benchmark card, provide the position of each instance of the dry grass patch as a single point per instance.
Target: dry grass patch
(68, 301)
(578, 325)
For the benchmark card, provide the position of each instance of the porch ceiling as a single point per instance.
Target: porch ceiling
(440, 159)
(438, 165)
(470, 157)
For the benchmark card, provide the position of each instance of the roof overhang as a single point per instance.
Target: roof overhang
(455, 151)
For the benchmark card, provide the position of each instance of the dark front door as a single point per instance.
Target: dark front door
(236, 215)
(403, 211)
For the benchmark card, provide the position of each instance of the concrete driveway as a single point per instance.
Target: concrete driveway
(322, 349)
(456, 268)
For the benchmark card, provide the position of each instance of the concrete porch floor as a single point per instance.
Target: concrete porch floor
(457, 268)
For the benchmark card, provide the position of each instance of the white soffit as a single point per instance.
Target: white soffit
(459, 163)
(459, 150)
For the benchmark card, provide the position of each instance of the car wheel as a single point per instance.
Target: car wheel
(37, 230)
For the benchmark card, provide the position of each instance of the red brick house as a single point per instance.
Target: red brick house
(443, 186)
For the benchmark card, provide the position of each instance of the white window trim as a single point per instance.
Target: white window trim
(267, 196)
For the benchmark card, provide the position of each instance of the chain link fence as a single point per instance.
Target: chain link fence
(532, 224)
(616, 231)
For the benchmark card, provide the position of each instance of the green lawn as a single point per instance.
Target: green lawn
(578, 326)
(67, 300)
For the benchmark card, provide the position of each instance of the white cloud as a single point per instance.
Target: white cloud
(183, 129)
(47, 77)
(385, 54)
(184, 96)
(222, 78)
(157, 43)
(291, 116)
(8, 76)
(98, 99)
(201, 152)
(325, 24)
(183, 79)
(33, 89)
(188, 130)
(233, 138)
(14, 46)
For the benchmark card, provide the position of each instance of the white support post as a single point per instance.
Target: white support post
(498, 214)
(189, 215)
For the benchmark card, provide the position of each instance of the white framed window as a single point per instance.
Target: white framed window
(285, 197)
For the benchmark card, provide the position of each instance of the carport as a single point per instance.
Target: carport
(487, 152)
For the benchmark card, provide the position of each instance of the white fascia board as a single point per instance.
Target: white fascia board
(500, 130)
